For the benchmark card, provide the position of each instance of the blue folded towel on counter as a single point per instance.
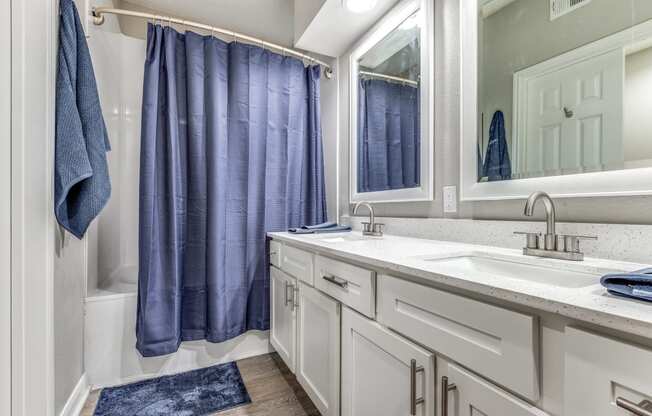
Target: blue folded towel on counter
(636, 285)
(326, 227)
(81, 174)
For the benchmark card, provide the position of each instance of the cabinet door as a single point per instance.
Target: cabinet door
(283, 317)
(469, 395)
(318, 349)
(378, 375)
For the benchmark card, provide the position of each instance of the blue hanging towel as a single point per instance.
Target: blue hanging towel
(81, 174)
(635, 285)
(497, 166)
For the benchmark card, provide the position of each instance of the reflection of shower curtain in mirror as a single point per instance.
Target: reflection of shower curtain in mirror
(388, 136)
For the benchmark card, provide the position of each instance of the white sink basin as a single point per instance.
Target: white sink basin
(500, 267)
(347, 238)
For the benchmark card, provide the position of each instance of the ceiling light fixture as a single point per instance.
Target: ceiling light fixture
(360, 6)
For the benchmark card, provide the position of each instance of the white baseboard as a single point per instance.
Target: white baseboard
(77, 398)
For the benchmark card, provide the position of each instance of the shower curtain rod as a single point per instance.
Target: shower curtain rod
(98, 19)
(389, 78)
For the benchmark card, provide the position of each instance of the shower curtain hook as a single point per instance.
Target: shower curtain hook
(235, 38)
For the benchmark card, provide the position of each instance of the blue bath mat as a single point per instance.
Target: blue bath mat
(195, 393)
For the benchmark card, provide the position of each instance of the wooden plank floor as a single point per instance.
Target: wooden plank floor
(273, 389)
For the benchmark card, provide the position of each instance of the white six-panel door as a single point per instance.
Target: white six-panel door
(318, 349)
(283, 316)
(376, 371)
(574, 118)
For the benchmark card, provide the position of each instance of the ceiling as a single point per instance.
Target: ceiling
(334, 29)
(271, 20)
(322, 26)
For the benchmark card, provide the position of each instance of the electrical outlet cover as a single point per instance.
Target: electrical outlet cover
(450, 199)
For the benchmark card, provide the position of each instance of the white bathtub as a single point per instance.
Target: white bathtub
(110, 355)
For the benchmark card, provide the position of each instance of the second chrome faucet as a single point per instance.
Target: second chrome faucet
(370, 228)
(564, 247)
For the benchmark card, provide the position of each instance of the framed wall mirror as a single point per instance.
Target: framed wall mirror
(556, 98)
(391, 108)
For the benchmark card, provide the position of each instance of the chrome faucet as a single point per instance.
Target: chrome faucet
(563, 247)
(369, 228)
(550, 239)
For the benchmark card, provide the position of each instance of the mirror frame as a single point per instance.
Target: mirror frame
(626, 182)
(386, 25)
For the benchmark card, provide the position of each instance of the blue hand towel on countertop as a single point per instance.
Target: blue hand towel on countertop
(636, 285)
(327, 227)
(81, 174)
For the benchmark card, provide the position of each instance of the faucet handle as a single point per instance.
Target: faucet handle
(572, 242)
(532, 239)
(378, 228)
(366, 227)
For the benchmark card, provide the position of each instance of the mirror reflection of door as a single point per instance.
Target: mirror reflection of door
(572, 89)
(388, 136)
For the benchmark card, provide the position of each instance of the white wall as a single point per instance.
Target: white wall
(5, 208)
(33, 30)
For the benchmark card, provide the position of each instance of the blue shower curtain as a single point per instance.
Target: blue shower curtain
(230, 149)
(389, 138)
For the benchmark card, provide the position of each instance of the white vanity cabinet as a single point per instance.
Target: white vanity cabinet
(365, 343)
(318, 348)
(283, 328)
(383, 374)
(470, 395)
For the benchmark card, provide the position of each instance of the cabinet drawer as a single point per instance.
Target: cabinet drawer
(275, 253)
(297, 263)
(473, 396)
(351, 285)
(604, 370)
(497, 343)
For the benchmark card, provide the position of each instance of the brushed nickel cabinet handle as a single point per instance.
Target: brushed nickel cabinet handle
(295, 296)
(634, 408)
(287, 297)
(414, 402)
(336, 281)
(445, 389)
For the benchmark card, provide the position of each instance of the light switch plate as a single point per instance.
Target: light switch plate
(450, 199)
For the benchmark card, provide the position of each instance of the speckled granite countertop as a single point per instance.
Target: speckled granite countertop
(414, 257)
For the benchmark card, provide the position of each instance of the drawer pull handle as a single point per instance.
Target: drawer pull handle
(336, 281)
(636, 409)
(445, 389)
(414, 402)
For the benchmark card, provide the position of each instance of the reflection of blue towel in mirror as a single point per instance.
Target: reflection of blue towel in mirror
(497, 166)
(388, 136)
